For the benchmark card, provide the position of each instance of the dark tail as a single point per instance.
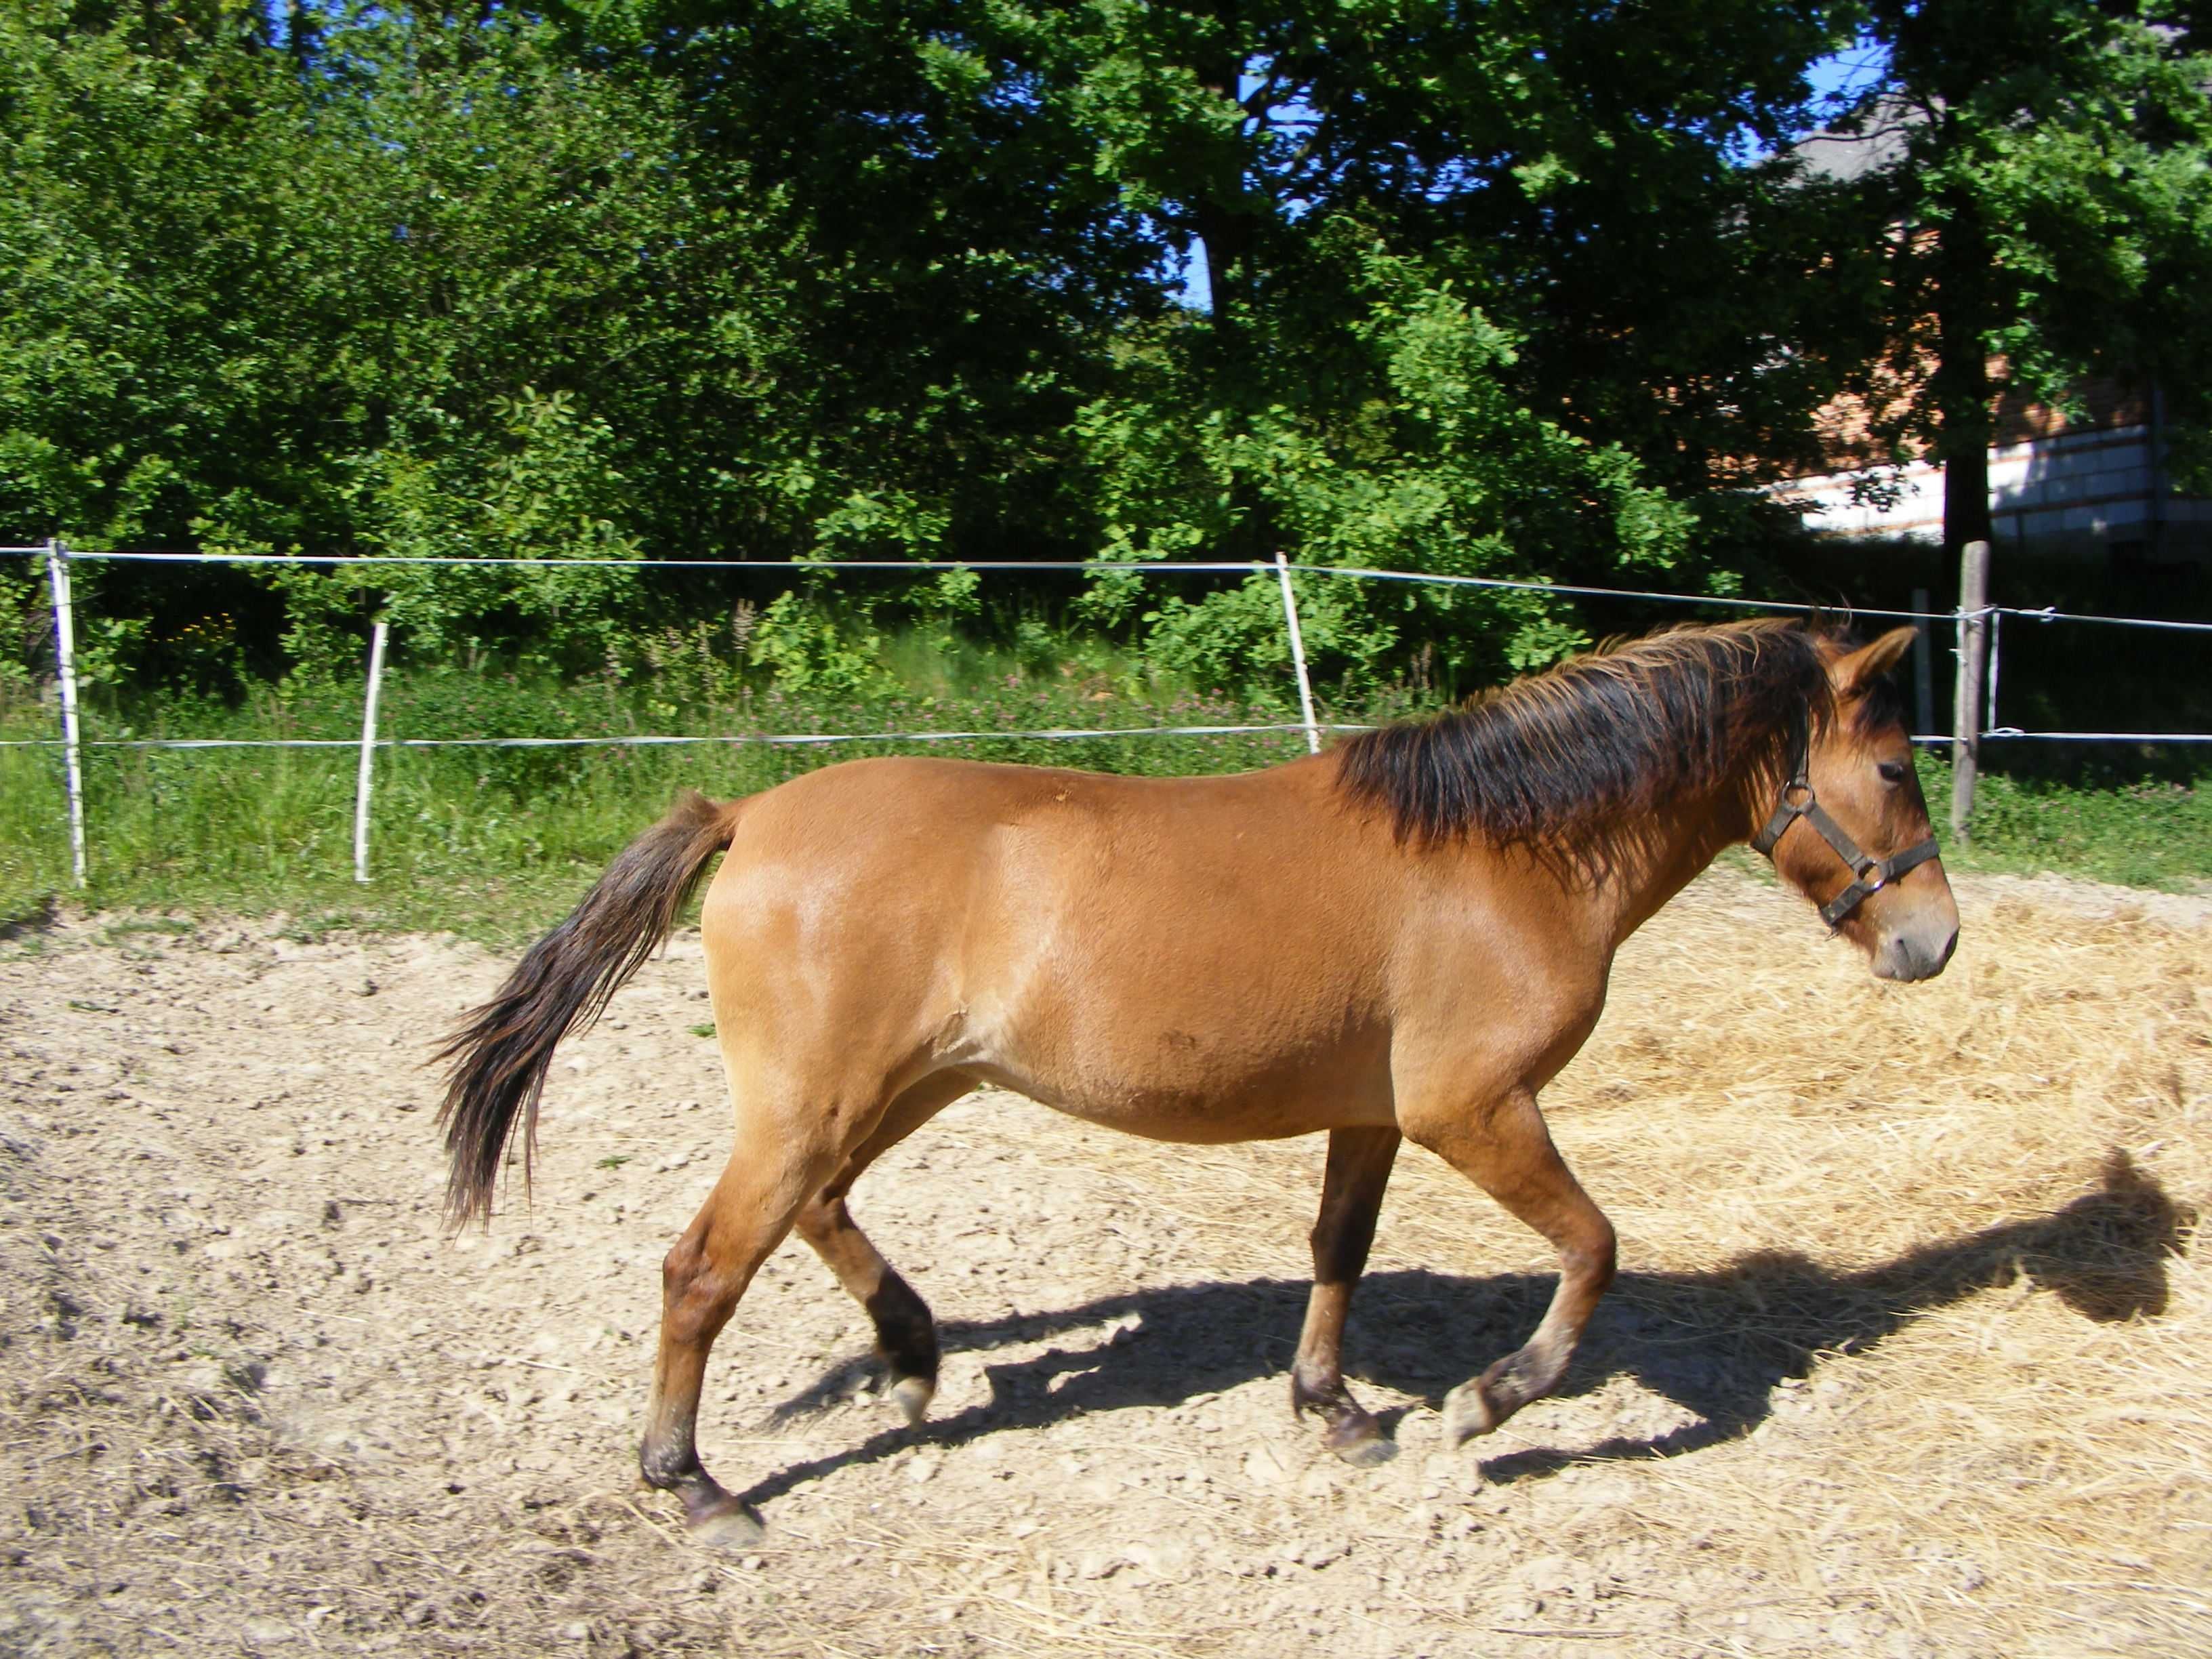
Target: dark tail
(502, 1052)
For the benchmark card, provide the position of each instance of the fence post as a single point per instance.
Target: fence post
(366, 775)
(1924, 667)
(57, 572)
(1298, 656)
(1967, 705)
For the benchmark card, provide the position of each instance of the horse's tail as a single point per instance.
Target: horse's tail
(502, 1052)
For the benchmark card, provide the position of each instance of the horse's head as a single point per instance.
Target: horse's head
(1850, 829)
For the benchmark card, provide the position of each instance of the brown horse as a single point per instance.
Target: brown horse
(1407, 936)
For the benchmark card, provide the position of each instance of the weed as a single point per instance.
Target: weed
(118, 933)
(313, 930)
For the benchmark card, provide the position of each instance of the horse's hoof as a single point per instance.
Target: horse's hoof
(1467, 1413)
(912, 1395)
(1357, 1438)
(729, 1525)
(1368, 1454)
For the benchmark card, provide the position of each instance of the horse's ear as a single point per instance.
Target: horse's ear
(1862, 667)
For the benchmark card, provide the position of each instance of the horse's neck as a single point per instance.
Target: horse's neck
(1647, 862)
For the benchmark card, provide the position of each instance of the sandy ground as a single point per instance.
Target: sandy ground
(1905, 1357)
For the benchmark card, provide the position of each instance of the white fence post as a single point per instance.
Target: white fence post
(57, 572)
(363, 778)
(1298, 656)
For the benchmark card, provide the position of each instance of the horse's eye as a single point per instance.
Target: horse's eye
(1892, 771)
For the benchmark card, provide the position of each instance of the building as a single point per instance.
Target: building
(2093, 484)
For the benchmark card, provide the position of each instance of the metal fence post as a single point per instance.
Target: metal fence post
(57, 572)
(365, 776)
(1966, 704)
(1298, 656)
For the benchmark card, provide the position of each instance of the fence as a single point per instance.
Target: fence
(1978, 625)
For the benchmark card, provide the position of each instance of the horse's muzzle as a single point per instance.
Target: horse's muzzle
(1915, 954)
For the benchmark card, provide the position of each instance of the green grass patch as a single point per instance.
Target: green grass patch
(2153, 834)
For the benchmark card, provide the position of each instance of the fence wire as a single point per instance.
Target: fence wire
(1358, 573)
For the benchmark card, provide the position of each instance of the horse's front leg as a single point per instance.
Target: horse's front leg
(1504, 1147)
(1351, 1197)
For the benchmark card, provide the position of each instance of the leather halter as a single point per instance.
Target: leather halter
(1872, 874)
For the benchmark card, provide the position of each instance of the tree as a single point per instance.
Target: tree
(2048, 188)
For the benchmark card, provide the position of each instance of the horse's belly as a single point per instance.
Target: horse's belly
(1186, 1090)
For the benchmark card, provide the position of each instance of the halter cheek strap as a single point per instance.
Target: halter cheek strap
(1872, 874)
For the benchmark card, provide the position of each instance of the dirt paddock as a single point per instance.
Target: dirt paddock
(1908, 1354)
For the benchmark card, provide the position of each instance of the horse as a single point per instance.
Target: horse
(1403, 938)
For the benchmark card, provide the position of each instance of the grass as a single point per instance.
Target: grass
(2151, 834)
(497, 844)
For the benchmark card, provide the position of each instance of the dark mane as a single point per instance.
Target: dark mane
(1601, 736)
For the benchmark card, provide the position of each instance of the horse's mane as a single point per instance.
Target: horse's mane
(1599, 737)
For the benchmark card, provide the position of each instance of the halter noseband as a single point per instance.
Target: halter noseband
(1798, 801)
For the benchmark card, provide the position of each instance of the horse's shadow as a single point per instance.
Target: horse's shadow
(1715, 1343)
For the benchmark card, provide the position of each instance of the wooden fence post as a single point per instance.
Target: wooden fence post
(1967, 705)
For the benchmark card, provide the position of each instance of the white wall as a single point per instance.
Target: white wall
(2082, 487)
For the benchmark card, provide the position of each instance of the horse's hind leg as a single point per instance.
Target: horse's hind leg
(770, 1174)
(906, 1335)
(1359, 1162)
(1504, 1148)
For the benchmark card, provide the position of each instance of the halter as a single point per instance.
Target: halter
(1798, 801)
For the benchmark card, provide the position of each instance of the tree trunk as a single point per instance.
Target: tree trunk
(1226, 236)
(1226, 231)
(1961, 382)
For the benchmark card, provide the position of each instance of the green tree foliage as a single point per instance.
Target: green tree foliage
(1528, 290)
(2044, 178)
